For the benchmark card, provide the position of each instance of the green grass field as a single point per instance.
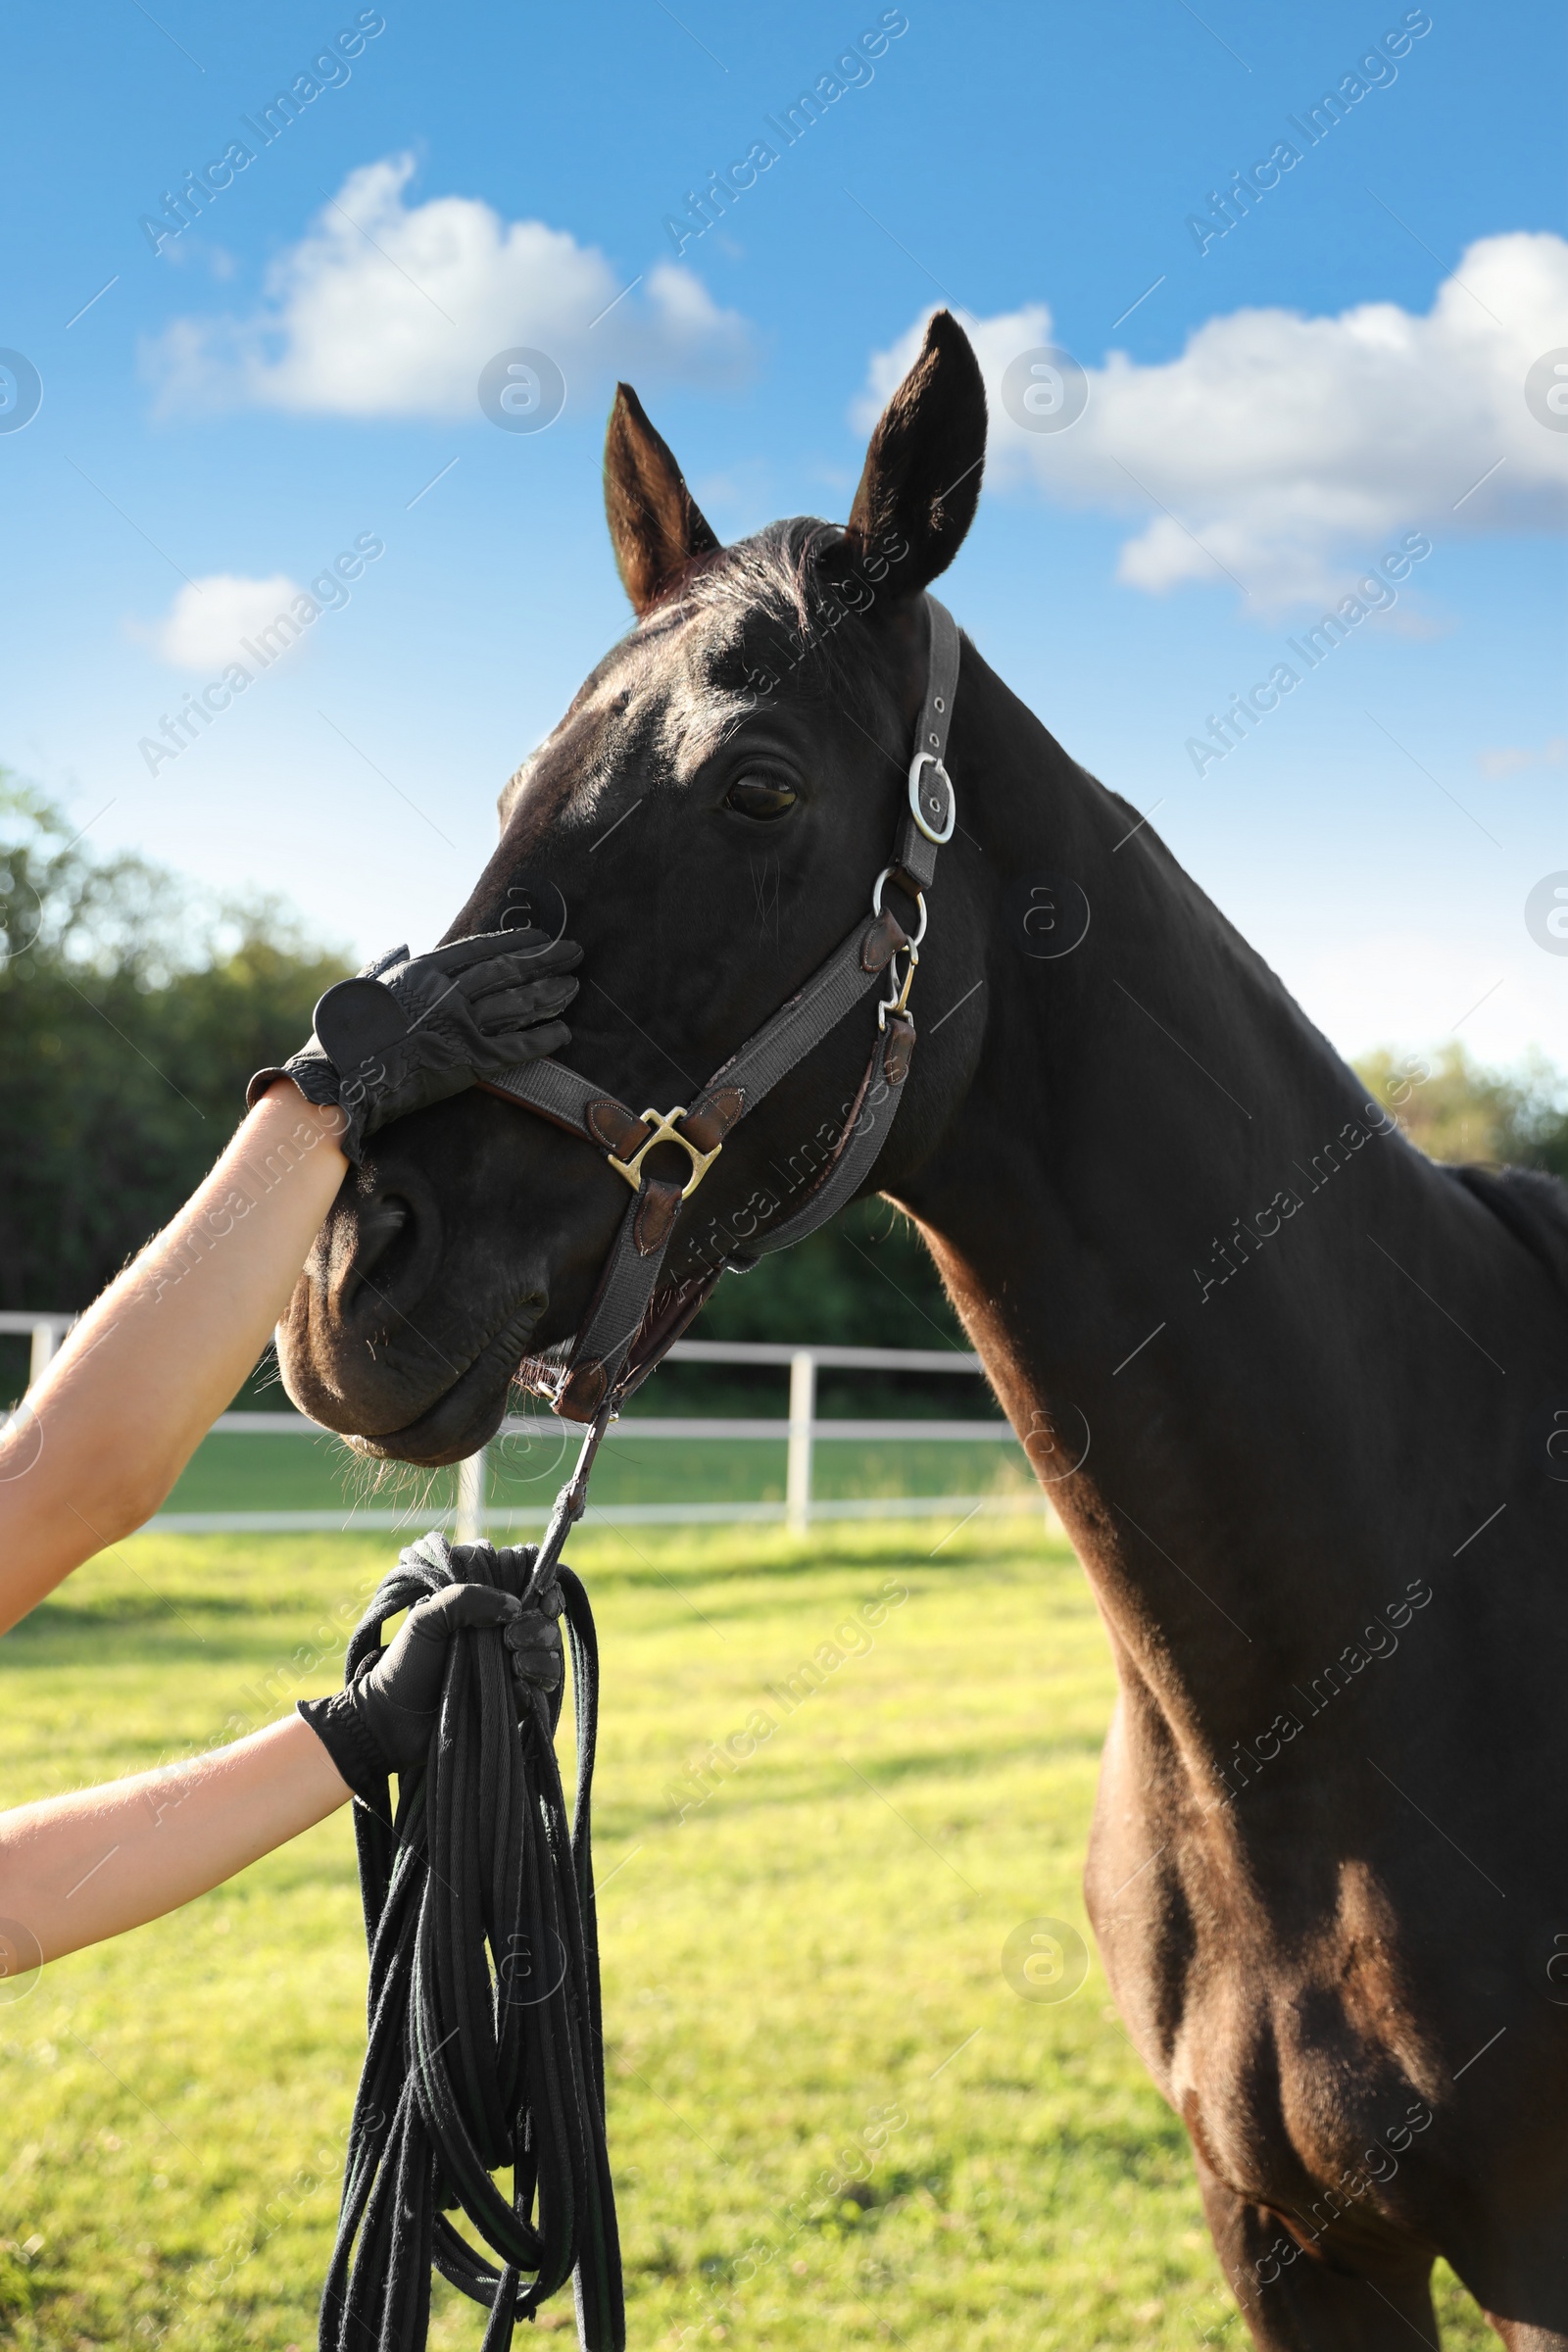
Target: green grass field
(832, 2119)
(318, 1473)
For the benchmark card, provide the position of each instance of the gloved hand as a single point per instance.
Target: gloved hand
(382, 1722)
(533, 1644)
(405, 1033)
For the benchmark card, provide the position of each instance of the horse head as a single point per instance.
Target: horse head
(708, 820)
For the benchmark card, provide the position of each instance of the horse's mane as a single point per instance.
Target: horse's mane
(1531, 1204)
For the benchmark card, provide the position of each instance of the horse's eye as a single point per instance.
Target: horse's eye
(761, 796)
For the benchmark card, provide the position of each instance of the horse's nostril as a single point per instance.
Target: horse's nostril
(379, 1226)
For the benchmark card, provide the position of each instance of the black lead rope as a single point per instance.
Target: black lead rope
(486, 2048)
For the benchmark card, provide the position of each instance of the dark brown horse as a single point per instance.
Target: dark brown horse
(1302, 1381)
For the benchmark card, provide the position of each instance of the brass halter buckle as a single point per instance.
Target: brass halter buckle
(897, 1000)
(666, 1131)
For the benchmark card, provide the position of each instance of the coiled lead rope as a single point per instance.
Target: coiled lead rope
(485, 2045)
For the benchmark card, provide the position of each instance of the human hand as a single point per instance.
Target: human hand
(407, 1032)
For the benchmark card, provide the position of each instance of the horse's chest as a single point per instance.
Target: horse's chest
(1288, 2045)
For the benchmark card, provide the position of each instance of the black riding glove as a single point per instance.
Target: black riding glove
(533, 1634)
(406, 1033)
(533, 1640)
(382, 1722)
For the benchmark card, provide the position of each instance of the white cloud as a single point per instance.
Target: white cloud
(203, 628)
(385, 309)
(1289, 445)
(1514, 759)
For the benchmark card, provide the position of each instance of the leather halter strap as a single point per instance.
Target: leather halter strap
(625, 1330)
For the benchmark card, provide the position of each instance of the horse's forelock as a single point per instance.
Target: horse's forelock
(774, 607)
(771, 576)
(692, 663)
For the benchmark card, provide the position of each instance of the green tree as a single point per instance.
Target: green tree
(864, 1281)
(1456, 1109)
(129, 1021)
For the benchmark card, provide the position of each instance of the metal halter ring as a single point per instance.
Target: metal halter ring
(919, 900)
(666, 1131)
(917, 812)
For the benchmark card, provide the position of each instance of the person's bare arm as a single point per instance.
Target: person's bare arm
(97, 1445)
(77, 1868)
(102, 1438)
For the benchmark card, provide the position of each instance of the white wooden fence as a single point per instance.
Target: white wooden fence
(801, 1431)
(46, 1332)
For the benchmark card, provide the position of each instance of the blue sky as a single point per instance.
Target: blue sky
(1271, 410)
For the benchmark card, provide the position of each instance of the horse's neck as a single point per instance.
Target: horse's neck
(1157, 1211)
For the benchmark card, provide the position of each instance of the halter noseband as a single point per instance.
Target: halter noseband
(625, 1331)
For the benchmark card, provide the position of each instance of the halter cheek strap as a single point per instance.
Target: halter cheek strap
(626, 1328)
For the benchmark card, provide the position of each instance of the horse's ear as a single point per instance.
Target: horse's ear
(654, 524)
(922, 482)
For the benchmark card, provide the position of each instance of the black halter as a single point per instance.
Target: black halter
(627, 1328)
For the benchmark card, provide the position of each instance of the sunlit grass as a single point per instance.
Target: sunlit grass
(832, 2120)
(320, 1473)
